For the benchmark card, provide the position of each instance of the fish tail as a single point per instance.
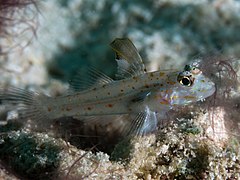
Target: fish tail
(28, 105)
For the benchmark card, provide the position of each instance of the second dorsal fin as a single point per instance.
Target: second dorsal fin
(129, 60)
(91, 77)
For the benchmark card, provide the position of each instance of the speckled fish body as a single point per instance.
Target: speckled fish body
(158, 90)
(136, 92)
(116, 97)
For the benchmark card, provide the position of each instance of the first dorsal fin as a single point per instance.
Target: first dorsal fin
(90, 78)
(129, 60)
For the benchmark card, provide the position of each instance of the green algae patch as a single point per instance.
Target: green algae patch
(30, 156)
(10, 126)
(187, 126)
(122, 151)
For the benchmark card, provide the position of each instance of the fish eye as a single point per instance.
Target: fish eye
(185, 81)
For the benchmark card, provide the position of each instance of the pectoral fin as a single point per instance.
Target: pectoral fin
(143, 123)
(128, 59)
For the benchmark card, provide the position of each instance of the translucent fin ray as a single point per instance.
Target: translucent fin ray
(29, 105)
(142, 124)
(91, 77)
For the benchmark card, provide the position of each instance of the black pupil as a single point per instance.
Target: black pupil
(185, 81)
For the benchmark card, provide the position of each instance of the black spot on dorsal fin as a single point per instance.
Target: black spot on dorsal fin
(128, 59)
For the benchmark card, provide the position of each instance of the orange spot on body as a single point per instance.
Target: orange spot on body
(164, 101)
(68, 108)
(161, 74)
(146, 86)
(109, 105)
(89, 108)
(171, 82)
(189, 97)
(167, 91)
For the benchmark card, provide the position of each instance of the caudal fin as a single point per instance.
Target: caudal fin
(28, 105)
